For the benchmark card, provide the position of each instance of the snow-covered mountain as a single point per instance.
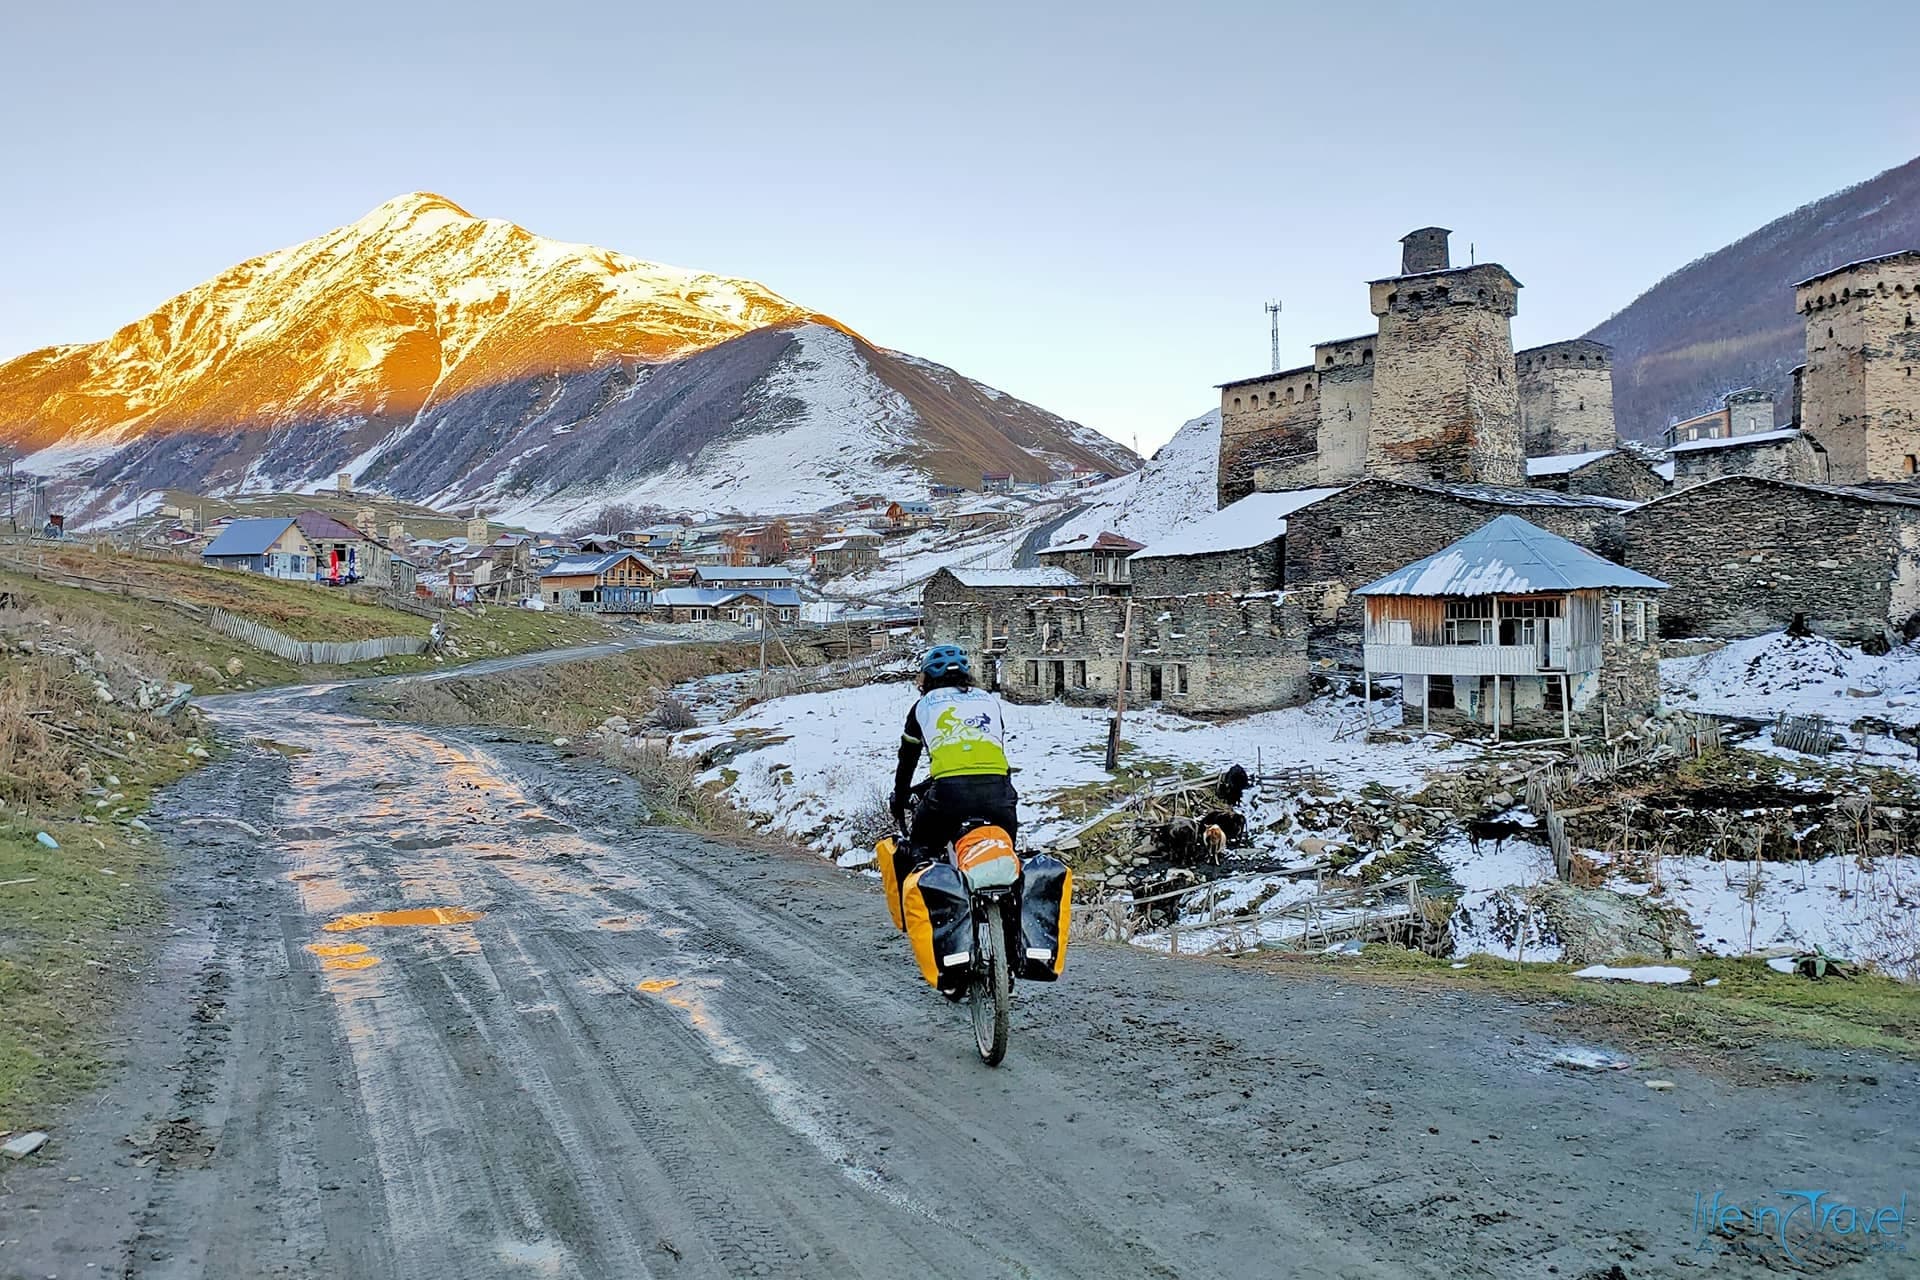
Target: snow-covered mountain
(452, 359)
(1177, 486)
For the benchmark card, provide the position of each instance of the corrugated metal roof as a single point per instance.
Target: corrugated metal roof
(742, 573)
(1508, 556)
(250, 536)
(580, 566)
(318, 524)
(778, 597)
(1256, 518)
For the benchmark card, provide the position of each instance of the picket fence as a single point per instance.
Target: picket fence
(312, 652)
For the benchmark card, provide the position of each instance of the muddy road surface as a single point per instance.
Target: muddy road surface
(439, 1004)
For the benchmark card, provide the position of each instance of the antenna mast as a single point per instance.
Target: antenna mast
(1273, 314)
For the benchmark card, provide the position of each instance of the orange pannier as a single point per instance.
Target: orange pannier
(986, 858)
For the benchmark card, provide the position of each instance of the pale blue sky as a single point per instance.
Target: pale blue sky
(1084, 204)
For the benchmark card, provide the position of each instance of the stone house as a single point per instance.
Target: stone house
(1512, 628)
(754, 607)
(1097, 559)
(1748, 411)
(1200, 653)
(1747, 555)
(976, 608)
(1786, 454)
(1235, 551)
(270, 545)
(983, 513)
(850, 552)
(1337, 543)
(1607, 473)
(621, 582)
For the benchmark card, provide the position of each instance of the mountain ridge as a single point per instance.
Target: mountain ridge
(412, 347)
(1726, 319)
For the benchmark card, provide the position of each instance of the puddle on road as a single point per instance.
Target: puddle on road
(412, 917)
(350, 962)
(343, 955)
(654, 986)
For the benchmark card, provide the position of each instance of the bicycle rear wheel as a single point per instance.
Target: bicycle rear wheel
(992, 993)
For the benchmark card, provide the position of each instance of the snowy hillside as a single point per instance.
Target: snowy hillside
(433, 355)
(1179, 484)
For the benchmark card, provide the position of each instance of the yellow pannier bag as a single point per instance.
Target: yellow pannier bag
(885, 852)
(939, 921)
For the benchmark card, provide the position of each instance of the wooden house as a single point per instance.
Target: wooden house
(1515, 628)
(618, 582)
(1100, 560)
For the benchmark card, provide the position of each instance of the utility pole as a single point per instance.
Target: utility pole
(1120, 689)
(1273, 316)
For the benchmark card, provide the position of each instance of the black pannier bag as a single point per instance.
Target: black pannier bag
(939, 922)
(1046, 906)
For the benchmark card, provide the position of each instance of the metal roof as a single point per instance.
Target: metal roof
(580, 566)
(248, 536)
(1043, 577)
(318, 524)
(1732, 442)
(1253, 520)
(776, 597)
(742, 573)
(1508, 556)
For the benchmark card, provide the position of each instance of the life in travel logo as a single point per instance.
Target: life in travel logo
(1798, 1222)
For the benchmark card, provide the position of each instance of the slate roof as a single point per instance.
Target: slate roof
(1508, 556)
(1560, 464)
(1254, 519)
(249, 536)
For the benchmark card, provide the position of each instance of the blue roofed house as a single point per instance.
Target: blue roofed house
(1514, 628)
(270, 545)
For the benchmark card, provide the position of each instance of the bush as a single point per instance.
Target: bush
(671, 714)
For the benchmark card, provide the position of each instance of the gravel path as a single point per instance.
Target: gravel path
(653, 1054)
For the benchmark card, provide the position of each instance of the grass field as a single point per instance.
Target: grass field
(1749, 1005)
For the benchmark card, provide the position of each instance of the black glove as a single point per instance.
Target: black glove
(898, 808)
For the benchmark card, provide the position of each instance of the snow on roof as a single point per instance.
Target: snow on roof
(1507, 556)
(1895, 495)
(1734, 442)
(1508, 496)
(1664, 470)
(249, 536)
(1105, 540)
(742, 573)
(1256, 518)
(580, 566)
(1045, 577)
(1560, 464)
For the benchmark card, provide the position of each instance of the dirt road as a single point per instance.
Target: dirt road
(608, 1050)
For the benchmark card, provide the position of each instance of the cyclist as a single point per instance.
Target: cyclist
(961, 730)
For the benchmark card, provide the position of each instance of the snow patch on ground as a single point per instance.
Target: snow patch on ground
(1799, 675)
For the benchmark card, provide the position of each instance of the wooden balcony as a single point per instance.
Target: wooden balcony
(1480, 659)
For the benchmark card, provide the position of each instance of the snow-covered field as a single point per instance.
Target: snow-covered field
(828, 755)
(1798, 675)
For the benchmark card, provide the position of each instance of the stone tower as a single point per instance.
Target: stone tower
(1445, 407)
(1566, 398)
(1424, 250)
(1860, 394)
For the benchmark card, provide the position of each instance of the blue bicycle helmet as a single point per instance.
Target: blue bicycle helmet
(945, 659)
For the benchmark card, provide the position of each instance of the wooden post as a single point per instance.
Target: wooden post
(1496, 706)
(1426, 700)
(1566, 707)
(1120, 689)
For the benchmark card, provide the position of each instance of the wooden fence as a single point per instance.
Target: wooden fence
(312, 652)
(1388, 909)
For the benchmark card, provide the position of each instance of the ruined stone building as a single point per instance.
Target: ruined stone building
(1434, 395)
(1859, 394)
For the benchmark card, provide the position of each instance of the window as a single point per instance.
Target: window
(1614, 630)
(1033, 672)
(1077, 623)
(1126, 677)
(1636, 622)
(1079, 674)
(1179, 677)
(1468, 622)
(1912, 463)
(1399, 631)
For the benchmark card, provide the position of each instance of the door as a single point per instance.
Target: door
(1153, 684)
(1056, 678)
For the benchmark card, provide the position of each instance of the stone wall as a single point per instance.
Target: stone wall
(1798, 459)
(1860, 395)
(1618, 475)
(1744, 556)
(1566, 397)
(1366, 532)
(1346, 408)
(1233, 653)
(1235, 572)
(1264, 422)
(1444, 402)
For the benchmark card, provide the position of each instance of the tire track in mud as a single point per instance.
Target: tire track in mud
(502, 1096)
